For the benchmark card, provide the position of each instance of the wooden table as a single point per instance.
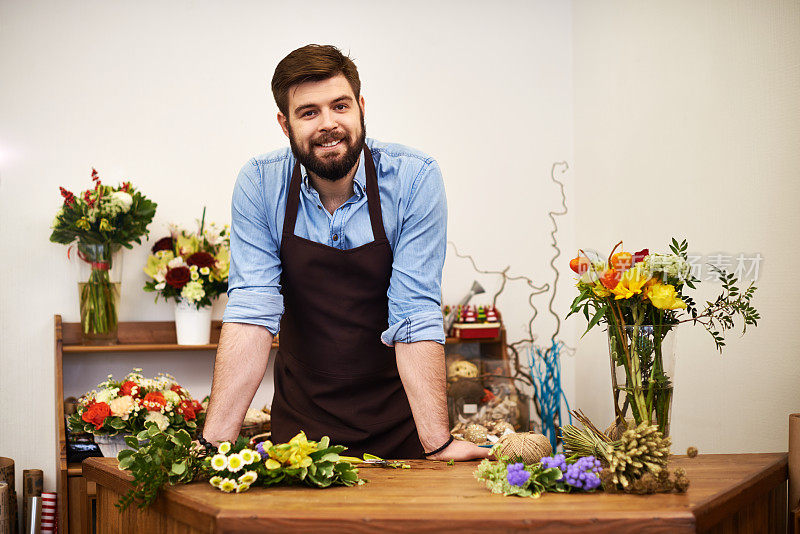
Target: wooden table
(729, 493)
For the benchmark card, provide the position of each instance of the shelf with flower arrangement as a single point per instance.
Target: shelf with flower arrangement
(119, 408)
(190, 268)
(101, 221)
(642, 298)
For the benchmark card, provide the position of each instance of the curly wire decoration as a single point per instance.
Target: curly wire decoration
(545, 378)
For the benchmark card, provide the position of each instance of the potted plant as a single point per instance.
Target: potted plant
(119, 408)
(191, 268)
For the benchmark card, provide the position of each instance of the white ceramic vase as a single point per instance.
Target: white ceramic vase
(192, 326)
(110, 446)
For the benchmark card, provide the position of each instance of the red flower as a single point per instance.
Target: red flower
(639, 256)
(178, 276)
(154, 401)
(127, 388)
(186, 409)
(165, 243)
(177, 389)
(125, 186)
(196, 406)
(201, 259)
(96, 414)
(95, 175)
(69, 198)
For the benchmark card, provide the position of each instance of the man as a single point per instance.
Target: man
(349, 235)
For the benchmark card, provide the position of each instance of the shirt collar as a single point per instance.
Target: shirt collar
(359, 180)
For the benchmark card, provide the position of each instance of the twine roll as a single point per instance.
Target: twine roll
(526, 447)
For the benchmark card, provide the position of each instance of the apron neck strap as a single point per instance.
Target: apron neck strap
(373, 199)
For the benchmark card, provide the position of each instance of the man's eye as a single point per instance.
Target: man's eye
(307, 113)
(340, 107)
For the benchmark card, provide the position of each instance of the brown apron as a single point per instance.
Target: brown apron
(333, 376)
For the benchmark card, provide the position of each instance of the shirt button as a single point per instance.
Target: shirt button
(335, 237)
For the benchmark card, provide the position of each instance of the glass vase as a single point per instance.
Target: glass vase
(99, 292)
(642, 371)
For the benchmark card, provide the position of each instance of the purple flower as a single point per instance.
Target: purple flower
(583, 474)
(517, 475)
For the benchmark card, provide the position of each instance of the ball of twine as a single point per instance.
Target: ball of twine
(525, 447)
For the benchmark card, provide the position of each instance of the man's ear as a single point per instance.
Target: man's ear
(283, 121)
(361, 103)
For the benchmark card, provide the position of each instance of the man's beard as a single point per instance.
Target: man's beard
(336, 168)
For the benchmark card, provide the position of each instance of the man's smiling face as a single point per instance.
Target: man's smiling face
(325, 126)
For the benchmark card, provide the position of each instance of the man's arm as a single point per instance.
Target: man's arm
(240, 365)
(421, 367)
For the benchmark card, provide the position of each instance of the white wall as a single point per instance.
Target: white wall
(687, 123)
(174, 96)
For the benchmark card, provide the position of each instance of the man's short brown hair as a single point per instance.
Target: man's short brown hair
(311, 63)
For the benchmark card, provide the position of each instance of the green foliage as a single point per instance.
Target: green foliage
(494, 475)
(154, 459)
(718, 315)
(125, 227)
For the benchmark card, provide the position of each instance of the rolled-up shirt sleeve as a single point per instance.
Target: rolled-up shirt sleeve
(254, 279)
(415, 288)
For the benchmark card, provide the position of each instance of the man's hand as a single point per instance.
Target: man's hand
(461, 451)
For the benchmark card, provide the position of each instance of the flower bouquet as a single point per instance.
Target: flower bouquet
(101, 220)
(120, 408)
(190, 268)
(234, 467)
(642, 297)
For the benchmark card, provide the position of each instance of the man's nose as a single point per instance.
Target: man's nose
(328, 121)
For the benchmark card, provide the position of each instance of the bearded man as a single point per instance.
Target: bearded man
(339, 243)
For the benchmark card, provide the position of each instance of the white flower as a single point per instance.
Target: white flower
(176, 262)
(122, 199)
(219, 462)
(160, 419)
(193, 291)
(224, 447)
(195, 275)
(172, 397)
(248, 478)
(161, 286)
(235, 463)
(215, 481)
(106, 395)
(241, 488)
(204, 271)
(122, 407)
(228, 485)
(247, 457)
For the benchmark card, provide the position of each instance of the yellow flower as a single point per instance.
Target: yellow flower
(222, 265)
(241, 488)
(83, 223)
(630, 284)
(225, 447)
(664, 297)
(234, 463)
(600, 290)
(187, 245)
(105, 226)
(248, 478)
(215, 481)
(272, 464)
(158, 261)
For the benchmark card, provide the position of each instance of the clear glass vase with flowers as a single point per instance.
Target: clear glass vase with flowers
(642, 297)
(101, 221)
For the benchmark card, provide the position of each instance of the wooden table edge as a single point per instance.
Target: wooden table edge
(709, 512)
(201, 520)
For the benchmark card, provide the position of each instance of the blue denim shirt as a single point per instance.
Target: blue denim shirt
(414, 212)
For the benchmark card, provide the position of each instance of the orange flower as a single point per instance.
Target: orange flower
(610, 278)
(96, 414)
